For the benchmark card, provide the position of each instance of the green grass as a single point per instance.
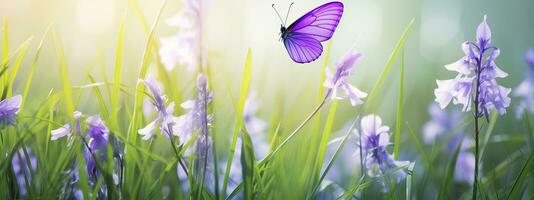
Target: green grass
(307, 152)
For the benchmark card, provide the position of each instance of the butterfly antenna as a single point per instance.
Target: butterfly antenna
(287, 14)
(278, 15)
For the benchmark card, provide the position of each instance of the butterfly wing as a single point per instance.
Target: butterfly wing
(302, 48)
(320, 23)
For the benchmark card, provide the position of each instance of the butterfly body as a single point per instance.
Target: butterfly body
(303, 37)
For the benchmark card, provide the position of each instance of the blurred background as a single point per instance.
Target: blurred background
(89, 29)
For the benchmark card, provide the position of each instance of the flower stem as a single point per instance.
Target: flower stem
(292, 134)
(477, 131)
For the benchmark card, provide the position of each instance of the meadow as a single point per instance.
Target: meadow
(199, 99)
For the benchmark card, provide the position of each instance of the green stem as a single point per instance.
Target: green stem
(292, 134)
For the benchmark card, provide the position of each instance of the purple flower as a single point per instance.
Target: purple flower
(196, 117)
(66, 130)
(465, 167)
(525, 90)
(338, 80)
(97, 132)
(477, 72)
(375, 139)
(8, 110)
(184, 47)
(165, 120)
(441, 123)
(21, 169)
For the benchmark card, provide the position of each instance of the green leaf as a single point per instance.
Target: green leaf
(515, 191)
(398, 123)
(449, 173)
(117, 80)
(33, 68)
(16, 66)
(67, 89)
(334, 157)
(247, 164)
(245, 84)
(372, 95)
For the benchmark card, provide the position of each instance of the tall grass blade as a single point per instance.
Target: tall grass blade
(16, 66)
(372, 95)
(449, 173)
(33, 68)
(400, 103)
(247, 164)
(243, 94)
(117, 80)
(63, 71)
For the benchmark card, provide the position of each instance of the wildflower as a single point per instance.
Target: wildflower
(21, 169)
(476, 79)
(375, 139)
(66, 130)
(525, 90)
(97, 132)
(8, 110)
(165, 120)
(196, 117)
(465, 167)
(184, 47)
(337, 81)
(98, 135)
(441, 123)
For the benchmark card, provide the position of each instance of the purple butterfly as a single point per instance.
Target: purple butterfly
(303, 37)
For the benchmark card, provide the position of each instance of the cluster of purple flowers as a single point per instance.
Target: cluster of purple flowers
(95, 145)
(375, 139)
(476, 79)
(23, 169)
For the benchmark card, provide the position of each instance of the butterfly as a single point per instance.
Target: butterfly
(303, 37)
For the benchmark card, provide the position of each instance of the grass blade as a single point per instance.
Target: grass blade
(117, 81)
(449, 173)
(33, 68)
(370, 99)
(63, 71)
(398, 123)
(515, 192)
(16, 66)
(248, 164)
(245, 84)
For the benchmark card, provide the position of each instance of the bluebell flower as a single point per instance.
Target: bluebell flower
(338, 80)
(98, 135)
(441, 123)
(8, 110)
(165, 120)
(196, 117)
(21, 169)
(477, 71)
(525, 90)
(465, 167)
(375, 139)
(66, 129)
(97, 132)
(184, 47)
